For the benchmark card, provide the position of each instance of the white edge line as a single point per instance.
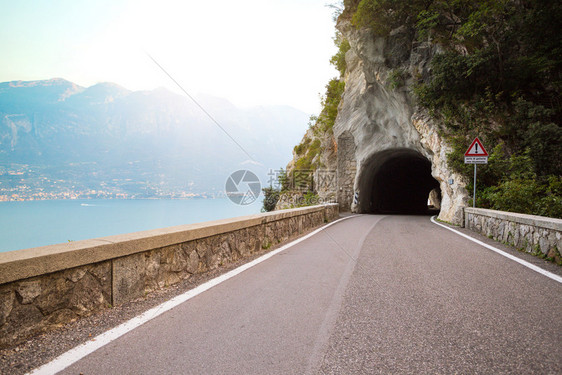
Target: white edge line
(507, 255)
(74, 355)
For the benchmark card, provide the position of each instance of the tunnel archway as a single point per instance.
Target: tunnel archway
(397, 181)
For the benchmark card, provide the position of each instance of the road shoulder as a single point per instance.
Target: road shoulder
(530, 258)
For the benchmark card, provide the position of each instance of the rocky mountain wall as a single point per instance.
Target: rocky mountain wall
(379, 123)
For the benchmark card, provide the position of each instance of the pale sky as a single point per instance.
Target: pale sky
(252, 52)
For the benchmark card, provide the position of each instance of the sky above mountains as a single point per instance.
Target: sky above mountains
(251, 52)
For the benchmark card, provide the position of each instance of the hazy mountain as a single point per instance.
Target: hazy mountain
(108, 136)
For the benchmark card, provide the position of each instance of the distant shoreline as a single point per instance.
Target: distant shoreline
(113, 198)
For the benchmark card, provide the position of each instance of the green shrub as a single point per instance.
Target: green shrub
(519, 188)
(338, 60)
(311, 198)
(382, 16)
(271, 197)
(528, 195)
(330, 103)
(396, 78)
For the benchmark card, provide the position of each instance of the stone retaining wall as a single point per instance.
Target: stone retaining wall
(46, 287)
(533, 234)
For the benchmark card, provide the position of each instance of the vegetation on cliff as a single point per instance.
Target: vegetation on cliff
(308, 151)
(500, 78)
(307, 154)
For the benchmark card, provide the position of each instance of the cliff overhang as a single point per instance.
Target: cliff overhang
(391, 154)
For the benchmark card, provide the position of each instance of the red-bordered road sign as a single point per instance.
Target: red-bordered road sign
(476, 149)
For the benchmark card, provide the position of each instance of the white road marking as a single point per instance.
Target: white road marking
(74, 355)
(501, 252)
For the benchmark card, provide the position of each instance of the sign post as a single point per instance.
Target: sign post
(476, 154)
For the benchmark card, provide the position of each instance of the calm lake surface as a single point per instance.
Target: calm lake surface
(40, 223)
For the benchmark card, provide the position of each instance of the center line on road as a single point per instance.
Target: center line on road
(507, 255)
(74, 355)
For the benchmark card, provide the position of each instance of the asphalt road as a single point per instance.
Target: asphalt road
(368, 295)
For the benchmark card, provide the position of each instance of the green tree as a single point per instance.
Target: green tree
(271, 197)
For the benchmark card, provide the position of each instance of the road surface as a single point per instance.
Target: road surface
(370, 294)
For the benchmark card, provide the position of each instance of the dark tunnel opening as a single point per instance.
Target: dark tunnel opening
(398, 181)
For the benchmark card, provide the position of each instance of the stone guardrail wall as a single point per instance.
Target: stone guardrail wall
(537, 235)
(43, 288)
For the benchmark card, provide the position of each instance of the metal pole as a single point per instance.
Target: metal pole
(474, 193)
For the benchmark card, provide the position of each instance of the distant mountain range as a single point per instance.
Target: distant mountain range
(56, 136)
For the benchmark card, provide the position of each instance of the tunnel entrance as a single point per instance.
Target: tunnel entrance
(397, 181)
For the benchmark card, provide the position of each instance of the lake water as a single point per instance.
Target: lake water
(40, 223)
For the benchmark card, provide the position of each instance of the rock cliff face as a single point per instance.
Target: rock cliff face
(390, 152)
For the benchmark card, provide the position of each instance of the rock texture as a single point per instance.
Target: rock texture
(378, 113)
(533, 234)
(37, 304)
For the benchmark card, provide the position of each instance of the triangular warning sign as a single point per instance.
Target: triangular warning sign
(476, 149)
